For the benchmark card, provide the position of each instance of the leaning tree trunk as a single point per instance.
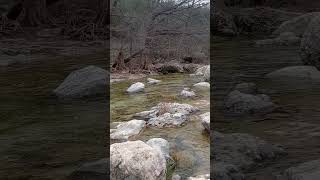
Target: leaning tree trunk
(34, 12)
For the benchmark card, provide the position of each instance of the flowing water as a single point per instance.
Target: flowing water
(295, 127)
(189, 144)
(40, 136)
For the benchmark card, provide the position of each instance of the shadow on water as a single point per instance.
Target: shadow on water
(189, 144)
(296, 128)
(40, 136)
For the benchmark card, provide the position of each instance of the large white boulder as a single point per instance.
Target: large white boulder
(136, 160)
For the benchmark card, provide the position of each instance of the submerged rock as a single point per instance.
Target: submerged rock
(202, 85)
(242, 150)
(200, 177)
(295, 73)
(305, 171)
(88, 81)
(153, 81)
(187, 93)
(238, 103)
(136, 160)
(176, 177)
(126, 130)
(310, 44)
(97, 170)
(167, 114)
(205, 121)
(136, 87)
(223, 171)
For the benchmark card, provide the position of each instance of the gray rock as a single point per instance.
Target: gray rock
(187, 93)
(170, 67)
(176, 177)
(223, 171)
(305, 171)
(204, 72)
(137, 161)
(202, 85)
(247, 88)
(167, 114)
(296, 25)
(160, 144)
(242, 150)
(305, 73)
(126, 130)
(310, 44)
(136, 87)
(200, 177)
(238, 103)
(153, 81)
(88, 81)
(97, 170)
(163, 146)
(205, 121)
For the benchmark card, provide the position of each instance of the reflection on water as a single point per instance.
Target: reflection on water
(40, 137)
(190, 144)
(296, 126)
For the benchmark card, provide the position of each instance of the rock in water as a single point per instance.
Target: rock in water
(88, 81)
(167, 114)
(295, 73)
(223, 171)
(200, 177)
(153, 81)
(205, 121)
(305, 171)
(238, 103)
(136, 160)
(187, 93)
(136, 87)
(97, 170)
(242, 150)
(163, 146)
(126, 130)
(310, 44)
(160, 144)
(202, 85)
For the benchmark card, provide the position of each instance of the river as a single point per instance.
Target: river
(295, 127)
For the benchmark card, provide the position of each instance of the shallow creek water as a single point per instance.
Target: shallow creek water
(40, 136)
(189, 144)
(296, 127)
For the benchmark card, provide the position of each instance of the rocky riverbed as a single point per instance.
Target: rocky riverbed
(285, 77)
(168, 115)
